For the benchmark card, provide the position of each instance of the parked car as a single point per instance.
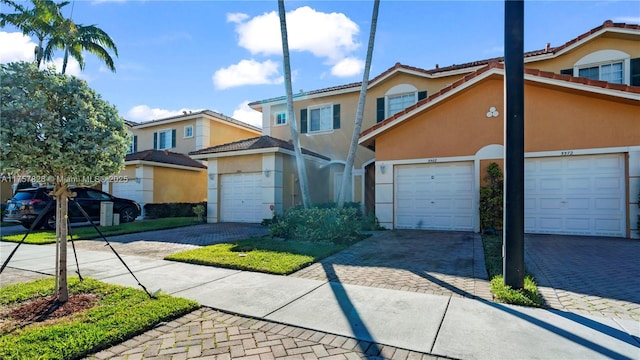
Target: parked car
(27, 204)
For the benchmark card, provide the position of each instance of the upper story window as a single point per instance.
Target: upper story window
(133, 145)
(188, 131)
(165, 139)
(280, 118)
(612, 73)
(397, 103)
(612, 66)
(397, 99)
(320, 118)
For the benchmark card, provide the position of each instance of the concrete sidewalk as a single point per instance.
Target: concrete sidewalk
(407, 324)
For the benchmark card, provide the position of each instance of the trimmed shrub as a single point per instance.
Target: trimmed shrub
(165, 210)
(491, 200)
(339, 226)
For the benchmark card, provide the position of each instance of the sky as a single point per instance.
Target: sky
(176, 56)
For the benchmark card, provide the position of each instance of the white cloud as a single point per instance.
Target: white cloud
(236, 17)
(246, 114)
(15, 47)
(142, 113)
(347, 67)
(247, 72)
(261, 34)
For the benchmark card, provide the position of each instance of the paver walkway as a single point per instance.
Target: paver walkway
(440, 263)
(210, 334)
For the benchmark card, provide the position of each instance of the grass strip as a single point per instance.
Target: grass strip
(527, 296)
(267, 255)
(88, 232)
(119, 314)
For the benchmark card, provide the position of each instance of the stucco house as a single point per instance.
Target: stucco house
(446, 124)
(157, 167)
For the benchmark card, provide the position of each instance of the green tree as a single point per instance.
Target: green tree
(293, 125)
(492, 199)
(74, 39)
(54, 126)
(345, 191)
(39, 21)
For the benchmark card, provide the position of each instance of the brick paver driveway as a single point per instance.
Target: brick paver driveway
(594, 275)
(435, 262)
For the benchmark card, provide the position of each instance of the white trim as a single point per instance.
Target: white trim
(185, 136)
(253, 152)
(157, 142)
(275, 118)
(318, 107)
(153, 163)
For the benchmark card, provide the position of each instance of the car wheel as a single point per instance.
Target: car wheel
(49, 221)
(128, 214)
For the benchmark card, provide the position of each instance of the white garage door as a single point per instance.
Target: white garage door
(576, 195)
(434, 196)
(128, 190)
(241, 198)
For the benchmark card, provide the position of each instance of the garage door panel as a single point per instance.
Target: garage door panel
(434, 196)
(580, 195)
(241, 197)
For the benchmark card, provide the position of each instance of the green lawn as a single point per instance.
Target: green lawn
(88, 232)
(528, 296)
(266, 255)
(120, 313)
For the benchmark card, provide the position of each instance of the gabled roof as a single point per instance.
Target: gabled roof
(164, 157)
(496, 68)
(197, 114)
(257, 143)
(531, 56)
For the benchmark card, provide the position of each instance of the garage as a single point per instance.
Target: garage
(127, 190)
(576, 195)
(241, 198)
(434, 196)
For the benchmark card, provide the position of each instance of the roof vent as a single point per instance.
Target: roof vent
(548, 48)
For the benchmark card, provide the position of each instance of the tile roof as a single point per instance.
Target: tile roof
(164, 157)
(261, 142)
(498, 65)
(470, 65)
(197, 113)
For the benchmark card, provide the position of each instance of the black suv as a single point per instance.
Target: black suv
(27, 204)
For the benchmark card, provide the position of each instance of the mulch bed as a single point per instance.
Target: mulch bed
(46, 309)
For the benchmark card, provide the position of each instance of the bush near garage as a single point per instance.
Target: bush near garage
(491, 200)
(319, 223)
(165, 210)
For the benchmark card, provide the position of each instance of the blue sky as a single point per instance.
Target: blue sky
(219, 55)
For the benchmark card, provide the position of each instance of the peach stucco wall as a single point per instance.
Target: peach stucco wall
(554, 120)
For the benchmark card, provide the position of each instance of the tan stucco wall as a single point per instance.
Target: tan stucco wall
(240, 164)
(221, 133)
(569, 58)
(176, 185)
(183, 145)
(554, 120)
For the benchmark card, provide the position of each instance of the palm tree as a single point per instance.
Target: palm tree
(346, 175)
(40, 21)
(76, 38)
(302, 170)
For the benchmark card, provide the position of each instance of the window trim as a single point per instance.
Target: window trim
(387, 98)
(605, 57)
(275, 118)
(185, 132)
(170, 131)
(317, 107)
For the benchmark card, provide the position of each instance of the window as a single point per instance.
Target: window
(165, 139)
(133, 145)
(398, 103)
(280, 118)
(607, 72)
(188, 131)
(320, 118)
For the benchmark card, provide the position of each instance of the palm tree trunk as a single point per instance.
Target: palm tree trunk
(302, 170)
(345, 191)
